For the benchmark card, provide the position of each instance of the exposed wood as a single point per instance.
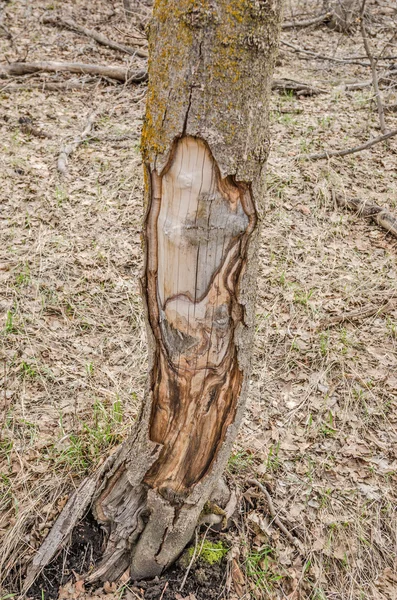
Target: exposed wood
(297, 87)
(95, 35)
(359, 314)
(112, 72)
(306, 23)
(381, 216)
(346, 151)
(202, 224)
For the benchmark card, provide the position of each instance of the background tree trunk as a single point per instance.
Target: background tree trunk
(204, 144)
(344, 13)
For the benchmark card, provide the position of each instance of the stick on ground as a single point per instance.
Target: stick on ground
(296, 87)
(273, 513)
(112, 72)
(300, 24)
(67, 150)
(346, 151)
(357, 315)
(95, 35)
(380, 215)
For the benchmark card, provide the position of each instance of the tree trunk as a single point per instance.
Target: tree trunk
(344, 14)
(204, 144)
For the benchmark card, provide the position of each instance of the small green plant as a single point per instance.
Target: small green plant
(273, 461)
(89, 369)
(324, 343)
(23, 276)
(87, 445)
(260, 569)
(28, 370)
(240, 460)
(60, 195)
(9, 327)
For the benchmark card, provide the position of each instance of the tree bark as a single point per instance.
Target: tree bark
(204, 143)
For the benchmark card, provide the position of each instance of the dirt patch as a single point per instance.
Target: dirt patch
(77, 558)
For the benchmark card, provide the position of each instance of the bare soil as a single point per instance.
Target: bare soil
(321, 426)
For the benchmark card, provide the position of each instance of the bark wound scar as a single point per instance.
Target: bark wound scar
(197, 230)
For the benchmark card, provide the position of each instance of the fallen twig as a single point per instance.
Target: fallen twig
(191, 562)
(345, 152)
(372, 62)
(273, 513)
(71, 84)
(95, 35)
(346, 61)
(380, 215)
(299, 24)
(112, 72)
(297, 87)
(67, 150)
(360, 85)
(356, 315)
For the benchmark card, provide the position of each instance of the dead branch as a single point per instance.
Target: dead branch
(390, 107)
(360, 85)
(380, 215)
(373, 69)
(112, 72)
(67, 149)
(95, 35)
(356, 315)
(345, 152)
(307, 23)
(346, 61)
(273, 513)
(297, 87)
(71, 84)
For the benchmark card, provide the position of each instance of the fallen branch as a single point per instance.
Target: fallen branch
(67, 150)
(369, 144)
(71, 84)
(360, 85)
(297, 87)
(346, 61)
(380, 215)
(372, 62)
(118, 73)
(356, 315)
(273, 514)
(95, 35)
(300, 24)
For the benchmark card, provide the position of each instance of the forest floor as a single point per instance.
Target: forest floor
(321, 425)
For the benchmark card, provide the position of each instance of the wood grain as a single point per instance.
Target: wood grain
(197, 230)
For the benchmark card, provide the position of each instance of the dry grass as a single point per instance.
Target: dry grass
(321, 427)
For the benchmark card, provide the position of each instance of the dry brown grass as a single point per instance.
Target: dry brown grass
(321, 427)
